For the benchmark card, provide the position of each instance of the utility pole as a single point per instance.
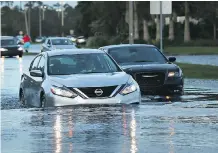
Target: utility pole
(40, 22)
(131, 41)
(43, 14)
(161, 29)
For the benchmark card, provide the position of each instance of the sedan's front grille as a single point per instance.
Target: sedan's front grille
(13, 49)
(94, 92)
(150, 79)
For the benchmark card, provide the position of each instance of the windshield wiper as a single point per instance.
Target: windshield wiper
(143, 61)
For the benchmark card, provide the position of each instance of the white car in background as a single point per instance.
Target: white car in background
(81, 40)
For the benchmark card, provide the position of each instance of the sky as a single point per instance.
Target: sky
(72, 3)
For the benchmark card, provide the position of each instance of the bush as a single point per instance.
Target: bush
(115, 40)
(97, 41)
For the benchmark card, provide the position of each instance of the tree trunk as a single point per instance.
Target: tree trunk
(157, 28)
(29, 21)
(26, 24)
(136, 25)
(171, 28)
(146, 35)
(186, 28)
(214, 31)
(127, 12)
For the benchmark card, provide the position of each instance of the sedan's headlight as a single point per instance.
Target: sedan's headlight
(129, 88)
(20, 48)
(3, 49)
(61, 91)
(175, 73)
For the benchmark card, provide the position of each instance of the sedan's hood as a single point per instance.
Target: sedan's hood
(64, 46)
(91, 80)
(148, 67)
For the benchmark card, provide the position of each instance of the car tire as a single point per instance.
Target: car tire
(22, 98)
(42, 100)
(20, 55)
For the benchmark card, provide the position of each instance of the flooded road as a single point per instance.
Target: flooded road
(189, 124)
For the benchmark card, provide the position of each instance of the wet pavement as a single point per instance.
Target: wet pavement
(188, 124)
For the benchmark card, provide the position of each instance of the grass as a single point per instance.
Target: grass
(191, 50)
(199, 71)
(26, 54)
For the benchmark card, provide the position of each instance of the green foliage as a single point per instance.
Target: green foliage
(97, 41)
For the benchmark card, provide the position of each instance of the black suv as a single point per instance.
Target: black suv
(155, 74)
(9, 47)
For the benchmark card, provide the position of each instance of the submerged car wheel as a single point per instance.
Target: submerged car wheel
(22, 98)
(42, 100)
(20, 55)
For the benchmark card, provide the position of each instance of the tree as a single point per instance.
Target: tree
(136, 22)
(187, 37)
(145, 17)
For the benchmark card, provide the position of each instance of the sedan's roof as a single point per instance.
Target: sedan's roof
(73, 51)
(126, 45)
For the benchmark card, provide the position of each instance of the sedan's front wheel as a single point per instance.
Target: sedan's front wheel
(42, 100)
(22, 98)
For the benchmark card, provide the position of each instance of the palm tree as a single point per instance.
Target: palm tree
(143, 9)
(136, 22)
(29, 5)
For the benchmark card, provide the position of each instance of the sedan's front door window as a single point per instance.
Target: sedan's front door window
(41, 64)
(35, 63)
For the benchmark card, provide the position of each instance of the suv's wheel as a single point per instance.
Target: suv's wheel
(22, 98)
(42, 100)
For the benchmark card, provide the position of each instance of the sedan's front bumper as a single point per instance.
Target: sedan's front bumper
(172, 86)
(54, 100)
(11, 53)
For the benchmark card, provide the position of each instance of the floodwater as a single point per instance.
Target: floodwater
(189, 124)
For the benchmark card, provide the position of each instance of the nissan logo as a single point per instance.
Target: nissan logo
(98, 92)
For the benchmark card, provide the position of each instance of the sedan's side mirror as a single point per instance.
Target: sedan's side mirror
(36, 73)
(172, 59)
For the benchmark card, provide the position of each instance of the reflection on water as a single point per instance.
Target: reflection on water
(133, 132)
(57, 130)
(20, 65)
(172, 132)
(124, 120)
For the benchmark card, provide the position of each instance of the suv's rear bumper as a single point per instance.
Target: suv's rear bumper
(172, 86)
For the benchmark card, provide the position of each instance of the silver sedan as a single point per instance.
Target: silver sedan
(76, 76)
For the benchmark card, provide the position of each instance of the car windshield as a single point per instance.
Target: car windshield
(137, 54)
(8, 42)
(81, 64)
(61, 42)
